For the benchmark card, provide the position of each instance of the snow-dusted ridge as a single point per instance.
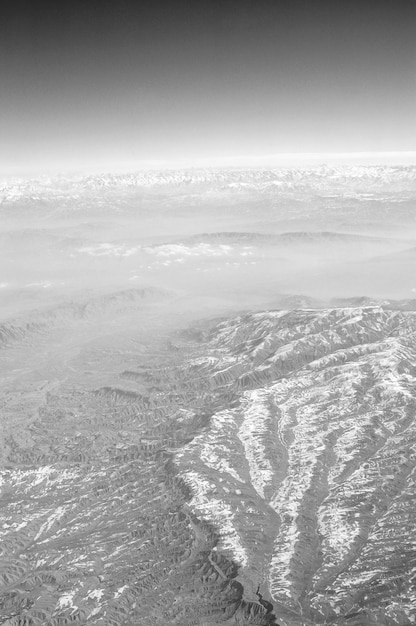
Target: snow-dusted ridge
(322, 177)
(315, 442)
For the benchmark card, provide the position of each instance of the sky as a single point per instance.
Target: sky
(91, 84)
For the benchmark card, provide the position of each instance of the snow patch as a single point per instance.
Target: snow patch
(255, 425)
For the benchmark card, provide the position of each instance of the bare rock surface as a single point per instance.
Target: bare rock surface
(256, 469)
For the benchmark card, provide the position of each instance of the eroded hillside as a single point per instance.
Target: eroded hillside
(166, 477)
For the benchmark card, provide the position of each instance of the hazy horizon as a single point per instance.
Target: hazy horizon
(96, 87)
(276, 161)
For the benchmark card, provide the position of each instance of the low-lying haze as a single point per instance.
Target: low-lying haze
(241, 235)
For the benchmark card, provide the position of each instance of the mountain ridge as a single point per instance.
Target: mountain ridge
(323, 176)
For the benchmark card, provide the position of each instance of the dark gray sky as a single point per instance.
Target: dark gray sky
(92, 83)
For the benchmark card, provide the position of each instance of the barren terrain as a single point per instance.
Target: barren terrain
(208, 398)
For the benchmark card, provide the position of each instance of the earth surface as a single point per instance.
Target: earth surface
(208, 397)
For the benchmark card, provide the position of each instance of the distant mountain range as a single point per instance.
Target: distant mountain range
(321, 179)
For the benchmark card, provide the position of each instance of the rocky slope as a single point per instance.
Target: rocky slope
(258, 469)
(311, 477)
